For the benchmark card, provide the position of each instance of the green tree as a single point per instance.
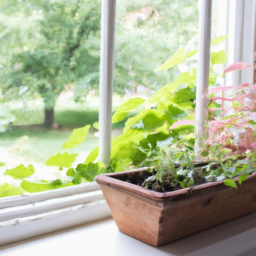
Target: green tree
(62, 52)
(47, 46)
(146, 32)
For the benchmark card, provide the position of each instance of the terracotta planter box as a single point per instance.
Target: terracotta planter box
(161, 218)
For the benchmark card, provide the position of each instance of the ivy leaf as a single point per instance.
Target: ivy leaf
(2, 164)
(61, 160)
(20, 172)
(92, 156)
(173, 61)
(77, 137)
(90, 170)
(10, 190)
(71, 172)
(218, 57)
(242, 178)
(32, 187)
(218, 40)
(230, 183)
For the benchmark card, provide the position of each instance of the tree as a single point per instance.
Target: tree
(62, 53)
(147, 32)
(52, 45)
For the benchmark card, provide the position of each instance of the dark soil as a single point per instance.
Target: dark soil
(168, 184)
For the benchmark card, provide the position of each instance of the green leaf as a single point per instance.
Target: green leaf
(135, 119)
(90, 170)
(181, 130)
(124, 109)
(130, 105)
(250, 122)
(119, 116)
(152, 140)
(230, 183)
(175, 113)
(205, 153)
(10, 190)
(183, 78)
(218, 40)
(71, 172)
(32, 187)
(77, 179)
(20, 172)
(137, 155)
(182, 172)
(96, 125)
(190, 183)
(61, 160)
(92, 156)
(185, 95)
(173, 61)
(133, 136)
(218, 57)
(191, 53)
(161, 93)
(77, 137)
(57, 182)
(153, 120)
(2, 164)
(242, 178)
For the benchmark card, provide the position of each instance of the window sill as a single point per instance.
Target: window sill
(22, 217)
(235, 238)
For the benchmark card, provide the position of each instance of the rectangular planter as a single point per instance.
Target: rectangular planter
(161, 218)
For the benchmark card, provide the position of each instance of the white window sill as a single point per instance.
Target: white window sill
(22, 217)
(235, 238)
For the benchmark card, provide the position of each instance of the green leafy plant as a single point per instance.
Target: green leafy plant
(159, 134)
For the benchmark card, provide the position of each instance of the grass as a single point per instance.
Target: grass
(32, 143)
(39, 145)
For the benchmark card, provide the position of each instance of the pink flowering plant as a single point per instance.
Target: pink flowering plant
(227, 151)
(231, 138)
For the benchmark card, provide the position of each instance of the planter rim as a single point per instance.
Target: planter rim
(108, 180)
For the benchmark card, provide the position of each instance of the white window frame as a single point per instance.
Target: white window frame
(26, 216)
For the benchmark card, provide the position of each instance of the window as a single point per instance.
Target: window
(137, 31)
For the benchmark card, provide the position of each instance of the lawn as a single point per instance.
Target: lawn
(28, 141)
(39, 145)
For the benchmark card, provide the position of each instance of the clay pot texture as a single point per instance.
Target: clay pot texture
(161, 218)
